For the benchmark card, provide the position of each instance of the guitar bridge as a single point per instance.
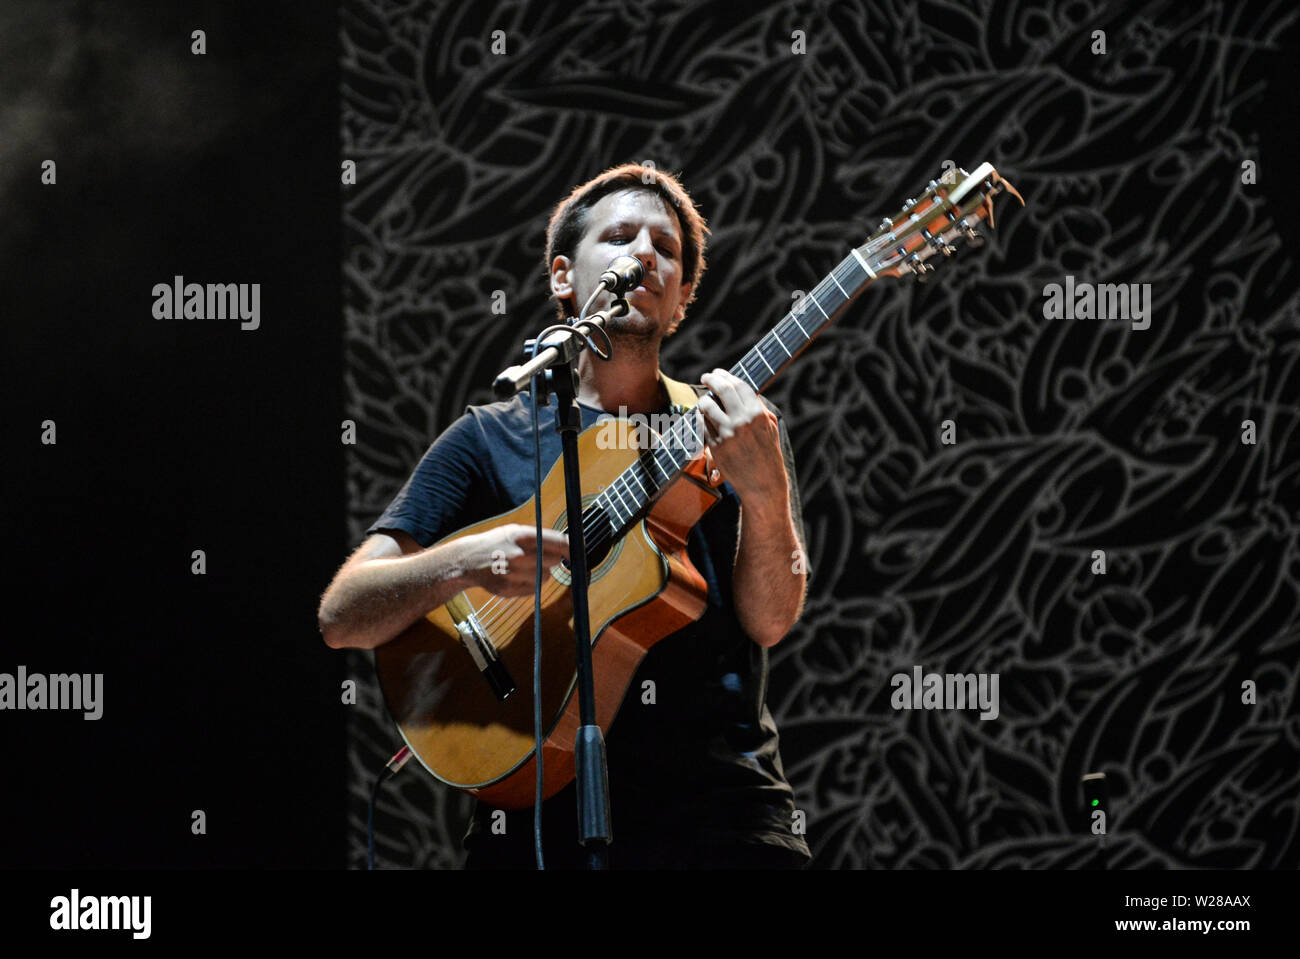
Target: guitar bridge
(484, 653)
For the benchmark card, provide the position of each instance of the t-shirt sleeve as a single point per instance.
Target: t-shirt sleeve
(438, 496)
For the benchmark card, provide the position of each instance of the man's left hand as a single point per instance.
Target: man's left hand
(744, 438)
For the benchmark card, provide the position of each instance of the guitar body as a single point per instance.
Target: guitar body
(642, 590)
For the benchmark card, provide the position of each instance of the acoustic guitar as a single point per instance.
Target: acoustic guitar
(448, 679)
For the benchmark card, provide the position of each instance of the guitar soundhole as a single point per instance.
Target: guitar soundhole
(602, 549)
(596, 554)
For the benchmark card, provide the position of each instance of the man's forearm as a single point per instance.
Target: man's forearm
(375, 600)
(769, 581)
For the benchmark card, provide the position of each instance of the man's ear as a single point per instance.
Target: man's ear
(680, 314)
(561, 284)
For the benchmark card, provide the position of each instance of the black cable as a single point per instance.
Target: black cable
(537, 583)
(384, 775)
(537, 620)
(391, 769)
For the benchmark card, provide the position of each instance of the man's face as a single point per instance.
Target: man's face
(629, 223)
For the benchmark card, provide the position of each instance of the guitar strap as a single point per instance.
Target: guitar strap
(681, 396)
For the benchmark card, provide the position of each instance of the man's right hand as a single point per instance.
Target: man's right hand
(503, 560)
(390, 581)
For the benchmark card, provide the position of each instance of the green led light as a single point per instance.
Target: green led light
(1096, 802)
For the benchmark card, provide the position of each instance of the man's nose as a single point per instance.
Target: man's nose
(644, 250)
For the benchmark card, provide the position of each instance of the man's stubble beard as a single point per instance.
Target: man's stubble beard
(637, 338)
(632, 336)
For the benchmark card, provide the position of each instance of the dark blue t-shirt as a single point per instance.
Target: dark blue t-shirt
(697, 769)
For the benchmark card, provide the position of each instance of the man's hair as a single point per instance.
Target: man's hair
(569, 222)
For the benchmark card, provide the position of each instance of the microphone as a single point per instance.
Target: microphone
(624, 273)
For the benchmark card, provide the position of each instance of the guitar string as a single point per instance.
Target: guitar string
(594, 539)
(494, 612)
(505, 617)
(506, 622)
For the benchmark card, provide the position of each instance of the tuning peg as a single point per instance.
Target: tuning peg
(937, 242)
(886, 224)
(920, 269)
(973, 236)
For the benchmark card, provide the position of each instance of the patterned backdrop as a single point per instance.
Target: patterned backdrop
(796, 126)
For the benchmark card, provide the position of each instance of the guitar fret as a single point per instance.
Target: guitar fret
(869, 271)
(652, 485)
(592, 512)
(603, 503)
(699, 439)
(687, 428)
(632, 469)
(643, 477)
(622, 502)
(621, 482)
(804, 336)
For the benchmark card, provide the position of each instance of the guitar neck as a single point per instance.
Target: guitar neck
(803, 324)
(625, 500)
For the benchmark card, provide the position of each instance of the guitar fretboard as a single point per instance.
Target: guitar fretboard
(625, 499)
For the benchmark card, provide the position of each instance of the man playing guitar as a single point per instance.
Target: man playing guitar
(695, 773)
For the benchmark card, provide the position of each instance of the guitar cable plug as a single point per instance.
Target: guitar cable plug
(391, 769)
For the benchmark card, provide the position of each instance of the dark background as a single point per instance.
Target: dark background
(181, 435)
(172, 435)
(1072, 435)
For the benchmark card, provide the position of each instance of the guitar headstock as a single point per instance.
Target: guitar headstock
(946, 214)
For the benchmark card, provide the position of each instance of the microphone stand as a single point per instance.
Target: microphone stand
(555, 363)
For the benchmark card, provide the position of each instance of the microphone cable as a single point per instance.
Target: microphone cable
(537, 582)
